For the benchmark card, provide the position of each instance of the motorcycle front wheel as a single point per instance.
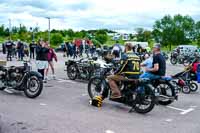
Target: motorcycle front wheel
(95, 87)
(173, 61)
(34, 86)
(145, 102)
(72, 72)
(186, 89)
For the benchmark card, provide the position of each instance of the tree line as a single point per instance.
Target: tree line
(170, 30)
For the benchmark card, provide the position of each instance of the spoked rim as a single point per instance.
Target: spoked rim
(167, 91)
(193, 87)
(33, 85)
(145, 103)
(173, 61)
(186, 89)
(71, 71)
(96, 87)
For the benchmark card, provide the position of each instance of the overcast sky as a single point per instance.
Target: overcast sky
(123, 15)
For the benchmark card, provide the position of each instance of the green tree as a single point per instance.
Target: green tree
(70, 33)
(197, 33)
(143, 35)
(56, 39)
(101, 36)
(174, 30)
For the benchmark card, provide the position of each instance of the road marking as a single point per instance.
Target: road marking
(176, 108)
(187, 111)
(168, 120)
(109, 131)
(84, 95)
(193, 106)
(62, 80)
(43, 104)
(183, 111)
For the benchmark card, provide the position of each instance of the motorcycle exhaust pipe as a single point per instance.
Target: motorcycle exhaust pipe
(163, 97)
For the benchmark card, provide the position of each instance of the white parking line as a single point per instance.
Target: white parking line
(43, 104)
(176, 108)
(183, 111)
(109, 131)
(62, 80)
(186, 111)
(168, 120)
(84, 95)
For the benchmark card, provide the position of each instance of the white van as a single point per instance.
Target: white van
(187, 49)
(142, 44)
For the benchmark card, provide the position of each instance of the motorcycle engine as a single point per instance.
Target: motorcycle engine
(83, 68)
(15, 76)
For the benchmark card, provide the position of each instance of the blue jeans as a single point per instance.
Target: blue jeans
(149, 76)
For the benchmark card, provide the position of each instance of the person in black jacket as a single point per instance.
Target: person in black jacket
(41, 57)
(20, 49)
(32, 48)
(9, 47)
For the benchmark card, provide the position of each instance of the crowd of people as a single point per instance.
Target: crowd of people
(72, 50)
(41, 51)
(44, 54)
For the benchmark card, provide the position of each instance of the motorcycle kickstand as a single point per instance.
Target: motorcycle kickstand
(132, 108)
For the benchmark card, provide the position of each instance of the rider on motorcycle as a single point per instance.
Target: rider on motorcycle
(159, 65)
(129, 68)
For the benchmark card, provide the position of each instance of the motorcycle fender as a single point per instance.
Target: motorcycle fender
(35, 73)
(67, 63)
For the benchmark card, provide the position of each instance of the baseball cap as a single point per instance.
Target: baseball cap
(157, 45)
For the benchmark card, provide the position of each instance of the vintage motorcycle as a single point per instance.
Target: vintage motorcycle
(81, 69)
(164, 89)
(21, 78)
(141, 103)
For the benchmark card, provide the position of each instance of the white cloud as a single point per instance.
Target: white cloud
(91, 14)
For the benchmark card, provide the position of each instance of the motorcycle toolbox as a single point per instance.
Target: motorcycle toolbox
(3, 63)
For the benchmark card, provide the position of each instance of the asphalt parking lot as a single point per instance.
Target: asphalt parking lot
(63, 107)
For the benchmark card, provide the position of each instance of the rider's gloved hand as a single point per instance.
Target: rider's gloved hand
(97, 101)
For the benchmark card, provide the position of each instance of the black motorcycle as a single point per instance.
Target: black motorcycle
(131, 96)
(21, 78)
(180, 59)
(81, 69)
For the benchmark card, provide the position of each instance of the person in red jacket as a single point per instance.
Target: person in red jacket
(50, 57)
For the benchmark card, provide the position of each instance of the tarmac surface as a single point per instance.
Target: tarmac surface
(63, 107)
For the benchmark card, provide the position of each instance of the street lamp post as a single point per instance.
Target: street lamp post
(49, 29)
(10, 28)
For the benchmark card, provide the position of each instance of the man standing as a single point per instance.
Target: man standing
(32, 47)
(9, 47)
(159, 65)
(116, 50)
(20, 48)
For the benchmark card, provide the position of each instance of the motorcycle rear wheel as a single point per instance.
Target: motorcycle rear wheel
(193, 87)
(166, 90)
